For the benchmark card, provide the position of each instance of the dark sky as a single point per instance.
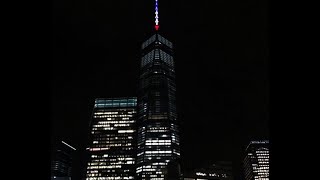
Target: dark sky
(221, 57)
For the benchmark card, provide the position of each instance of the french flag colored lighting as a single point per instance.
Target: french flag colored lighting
(156, 17)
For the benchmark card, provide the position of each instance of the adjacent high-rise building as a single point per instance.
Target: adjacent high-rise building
(256, 161)
(112, 139)
(221, 170)
(158, 133)
(61, 161)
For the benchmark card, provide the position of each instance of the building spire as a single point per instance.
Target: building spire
(156, 17)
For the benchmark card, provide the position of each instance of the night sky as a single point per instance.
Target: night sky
(221, 57)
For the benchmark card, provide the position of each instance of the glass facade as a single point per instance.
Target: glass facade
(158, 133)
(256, 162)
(112, 140)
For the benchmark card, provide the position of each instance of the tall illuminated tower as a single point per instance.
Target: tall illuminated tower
(158, 134)
(256, 162)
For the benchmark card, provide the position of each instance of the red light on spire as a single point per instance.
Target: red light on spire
(156, 27)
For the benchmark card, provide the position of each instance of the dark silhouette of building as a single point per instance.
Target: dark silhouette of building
(256, 161)
(111, 152)
(61, 161)
(174, 170)
(158, 133)
(221, 170)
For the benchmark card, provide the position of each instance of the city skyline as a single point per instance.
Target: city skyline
(221, 79)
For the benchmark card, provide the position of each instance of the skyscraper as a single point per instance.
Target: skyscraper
(158, 134)
(112, 139)
(61, 161)
(256, 162)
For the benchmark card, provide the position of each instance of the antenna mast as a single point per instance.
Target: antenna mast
(156, 17)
